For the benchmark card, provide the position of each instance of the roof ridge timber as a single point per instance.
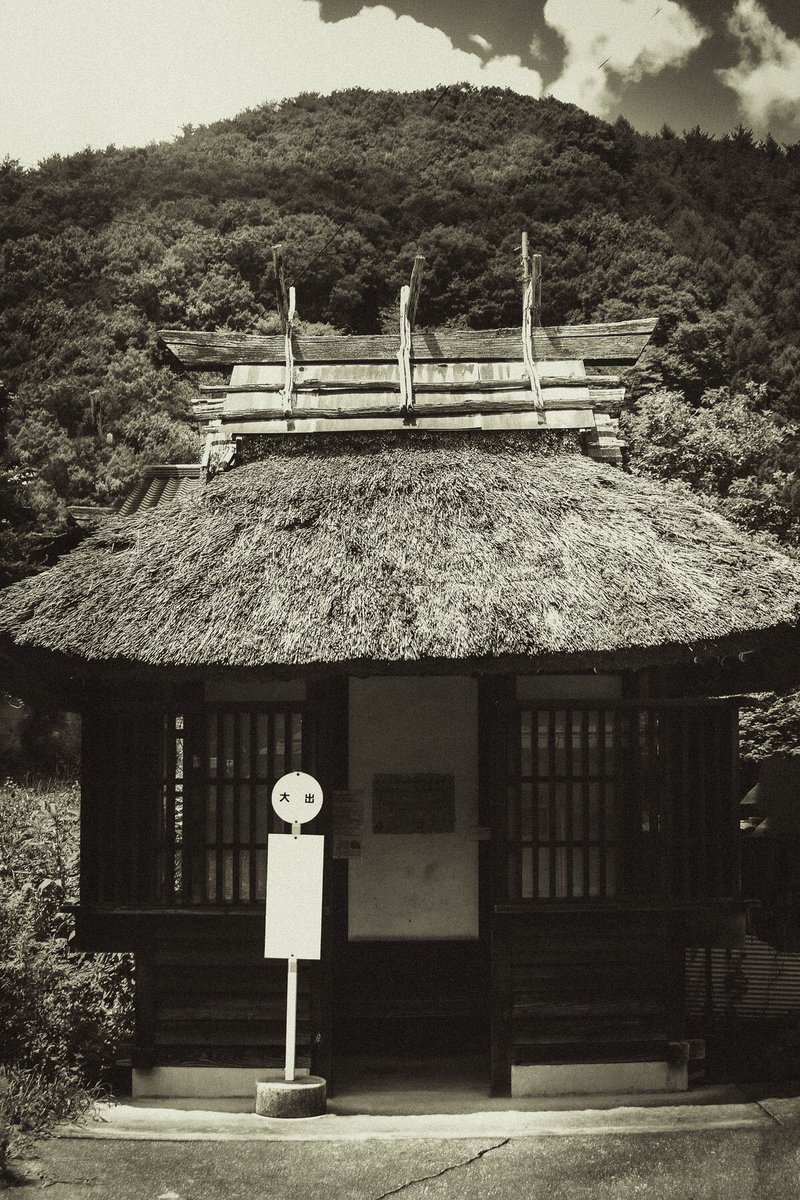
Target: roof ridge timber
(614, 343)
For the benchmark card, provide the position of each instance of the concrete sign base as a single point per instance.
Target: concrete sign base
(302, 1097)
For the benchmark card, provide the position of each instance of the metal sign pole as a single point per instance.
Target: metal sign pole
(291, 1019)
(291, 1002)
(294, 892)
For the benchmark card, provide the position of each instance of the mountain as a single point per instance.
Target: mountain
(102, 247)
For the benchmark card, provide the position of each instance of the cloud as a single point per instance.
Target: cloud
(767, 79)
(610, 42)
(485, 46)
(92, 72)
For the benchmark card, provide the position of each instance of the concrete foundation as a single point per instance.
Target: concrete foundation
(588, 1079)
(203, 1082)
(300, 1098)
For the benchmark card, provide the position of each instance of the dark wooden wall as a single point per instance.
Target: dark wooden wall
(206, 995)
(121, 784)
(588, 987)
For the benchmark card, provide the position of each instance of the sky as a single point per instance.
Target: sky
(77, 73)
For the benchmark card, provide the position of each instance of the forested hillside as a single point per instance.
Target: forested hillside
(101, 248)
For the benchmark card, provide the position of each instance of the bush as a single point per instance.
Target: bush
(64, 1014)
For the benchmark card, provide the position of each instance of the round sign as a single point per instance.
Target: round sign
(297, 797)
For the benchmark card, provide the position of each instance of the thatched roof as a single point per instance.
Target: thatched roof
(407, 547)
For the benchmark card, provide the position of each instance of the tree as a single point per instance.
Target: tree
(728, 448)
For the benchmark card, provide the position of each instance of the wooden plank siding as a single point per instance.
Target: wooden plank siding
(211, 997)
(615, 343)
(341, 395)
(417, 998)
(593, 987)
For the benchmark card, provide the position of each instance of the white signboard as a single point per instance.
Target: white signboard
(294, 896)
(297, 797)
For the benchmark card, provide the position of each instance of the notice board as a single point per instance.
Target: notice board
(294, 896)
(419, 803)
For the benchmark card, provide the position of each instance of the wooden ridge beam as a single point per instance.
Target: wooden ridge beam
(571, 418)
(458, 407)
(379, 385)
(615, 343)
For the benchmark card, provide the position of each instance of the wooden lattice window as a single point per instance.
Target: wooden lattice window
(623, 800)
(220, 767)
(564, 812)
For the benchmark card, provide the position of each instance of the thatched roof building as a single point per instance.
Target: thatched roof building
(386, 549)
(410, 567)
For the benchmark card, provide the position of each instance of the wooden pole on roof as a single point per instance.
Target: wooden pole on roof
(288, 389)
(414, 288)
(409, 298)
(287, 309)
(536, 277)
(281, 290)
(532, 277)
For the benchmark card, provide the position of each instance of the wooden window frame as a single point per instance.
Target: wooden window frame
(212, 838)
(674, 784)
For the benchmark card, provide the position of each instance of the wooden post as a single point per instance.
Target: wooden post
(281, 291)
(205, 461)
(409, 298)
(291, 999)
(531, 315)
(404, 353)
(414, 288)
(288, 387)
(145, 1009)
(536, 277)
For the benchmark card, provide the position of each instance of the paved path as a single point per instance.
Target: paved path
(742, 1151)
(138, 1122)
(742, 1164)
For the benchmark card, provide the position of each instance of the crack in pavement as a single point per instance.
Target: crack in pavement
(770, 1114)
(445, 1170)
(47, 1182)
